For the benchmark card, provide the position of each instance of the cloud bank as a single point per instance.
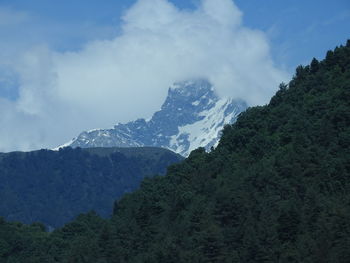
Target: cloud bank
(110, 81)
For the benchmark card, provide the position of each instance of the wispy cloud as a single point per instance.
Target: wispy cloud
(107, 81)
(345, 14)
(10, 17)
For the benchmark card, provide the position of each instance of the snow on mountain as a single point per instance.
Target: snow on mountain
(192, 116)
(205, 132)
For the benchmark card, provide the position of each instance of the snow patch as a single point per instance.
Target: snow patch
(63, 145)
(203, 132)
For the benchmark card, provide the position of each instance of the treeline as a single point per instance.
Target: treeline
(53, 187)
(276, 189)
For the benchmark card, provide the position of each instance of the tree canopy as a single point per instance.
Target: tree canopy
(276, 189)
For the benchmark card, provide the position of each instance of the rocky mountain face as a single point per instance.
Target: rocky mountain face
(192, 116)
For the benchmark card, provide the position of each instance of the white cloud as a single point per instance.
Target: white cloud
(118, 80)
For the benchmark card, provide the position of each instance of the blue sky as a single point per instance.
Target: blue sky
(298, 29)
(68, 66)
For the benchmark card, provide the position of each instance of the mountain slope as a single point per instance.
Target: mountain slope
(197, 117)
(276, 189)
(55, 186)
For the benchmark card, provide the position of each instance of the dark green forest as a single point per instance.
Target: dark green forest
(53, 187)
(276, 189)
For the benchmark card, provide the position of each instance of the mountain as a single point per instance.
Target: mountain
(197, 117)
(275, 189)
(55, 186)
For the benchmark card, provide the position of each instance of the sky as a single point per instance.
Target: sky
(68, 66)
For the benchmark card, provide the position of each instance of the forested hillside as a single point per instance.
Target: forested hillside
(53, 187)
(276, 189)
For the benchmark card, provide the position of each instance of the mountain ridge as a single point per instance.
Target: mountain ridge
(275, 189)
(55, 186)
(197, 117)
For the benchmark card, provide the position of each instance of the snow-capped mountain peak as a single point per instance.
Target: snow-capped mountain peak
(197, 116)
